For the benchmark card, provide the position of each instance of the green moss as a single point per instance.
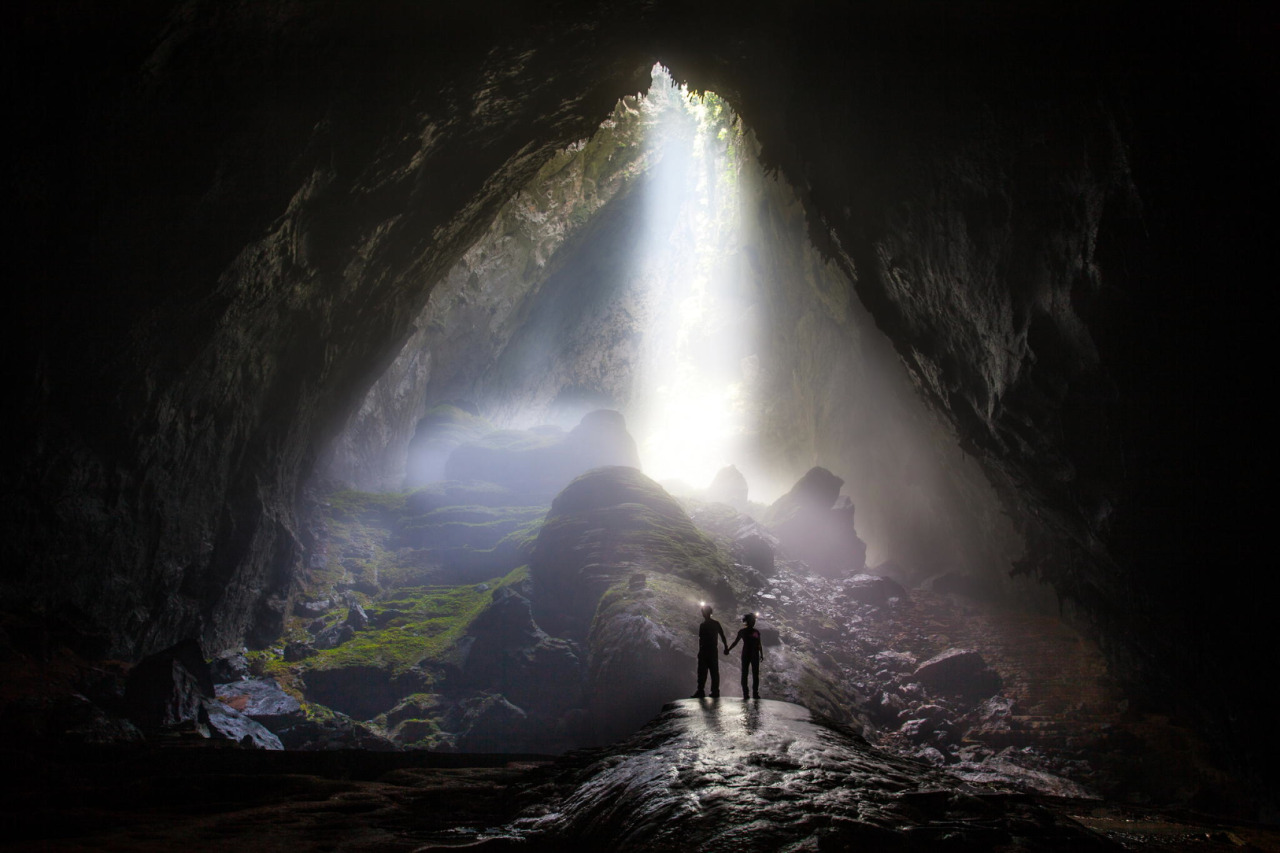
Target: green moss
(519, 440)
(420, 624)
(668, 601)
(349, 504)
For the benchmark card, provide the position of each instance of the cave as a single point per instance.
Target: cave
(290, 276)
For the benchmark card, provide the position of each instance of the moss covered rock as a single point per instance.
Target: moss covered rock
(606, 526)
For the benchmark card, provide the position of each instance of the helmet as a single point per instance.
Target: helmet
(750, 619)
(706, 609)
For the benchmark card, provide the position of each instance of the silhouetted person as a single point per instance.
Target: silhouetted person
(752, 652)
(708, 661)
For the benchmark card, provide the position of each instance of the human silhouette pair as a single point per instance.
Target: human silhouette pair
(709, 663)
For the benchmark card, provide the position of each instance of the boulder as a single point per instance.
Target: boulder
(416, 722)
(295, 651)
(225, 723)
(991, 722)
(334, 636)
(333, 730)
(510, 654)
(729, 487)
(492, 724)
(357, 618)
(755, 550)
(167, 688)
(958, 672)
(817, 489)
(312, 609)
(231, 665)
(262, 700)
(606, 526)
(813, 528)
(869, 589)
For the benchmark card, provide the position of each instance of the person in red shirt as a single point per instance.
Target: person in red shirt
(752, 653)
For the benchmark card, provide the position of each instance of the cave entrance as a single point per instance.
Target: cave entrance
(649, 299)
(658, 270)
(621, 278)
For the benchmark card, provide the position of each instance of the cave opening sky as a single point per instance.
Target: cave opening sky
(691, 413)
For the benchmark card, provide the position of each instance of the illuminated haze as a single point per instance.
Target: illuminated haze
(691, 412)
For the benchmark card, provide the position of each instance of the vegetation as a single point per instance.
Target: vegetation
(420, 624)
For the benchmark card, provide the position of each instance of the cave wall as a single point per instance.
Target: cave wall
(271, 192)
(232, 213)
(477, 307)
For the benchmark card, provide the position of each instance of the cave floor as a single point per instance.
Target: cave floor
(166, 798)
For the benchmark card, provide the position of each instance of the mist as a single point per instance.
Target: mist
(659, 270)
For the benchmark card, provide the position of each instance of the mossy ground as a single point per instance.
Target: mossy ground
(418, 625)
(397, 555)
(411, 627)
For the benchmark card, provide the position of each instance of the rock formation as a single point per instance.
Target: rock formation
(813, 526)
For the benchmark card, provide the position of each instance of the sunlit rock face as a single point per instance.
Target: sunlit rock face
(222, 249)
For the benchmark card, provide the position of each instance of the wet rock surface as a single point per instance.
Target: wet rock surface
(765, 776)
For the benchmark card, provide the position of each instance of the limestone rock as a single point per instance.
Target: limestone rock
(444, 428)
(491, 724)
(826, 788)
(231, 665)
(317, 607)
(333, 731)
(869, 589)
(991, 722)
(334, 636)
(729, 487)
(511, 655)
(262, 700)
(756, 551)
(357, 618)
(813, 528)
(225, 723)
(960, 672)
(361, 691)
(167, 688)
(605, 526)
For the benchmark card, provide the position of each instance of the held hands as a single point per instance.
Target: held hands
(726, 650)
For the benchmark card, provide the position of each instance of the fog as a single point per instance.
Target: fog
(691, 412)
(659, 270)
